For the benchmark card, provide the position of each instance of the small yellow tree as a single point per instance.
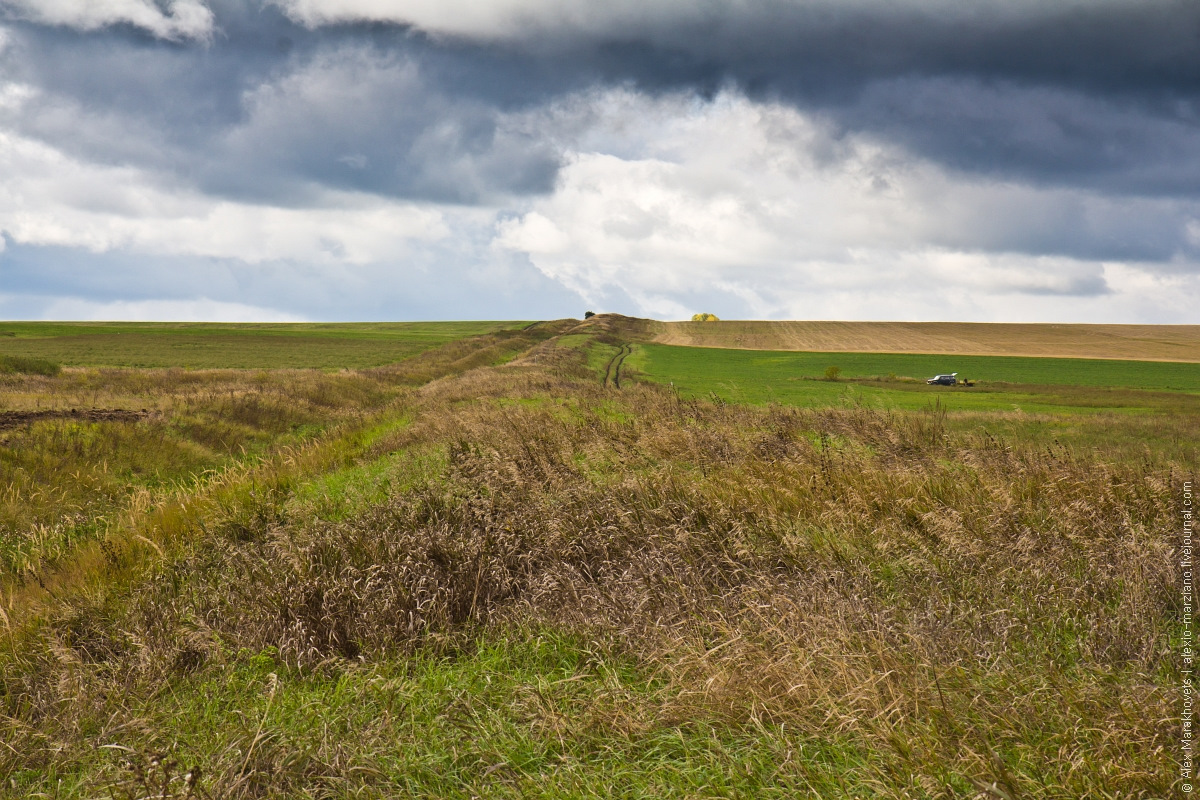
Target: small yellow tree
(705, 318)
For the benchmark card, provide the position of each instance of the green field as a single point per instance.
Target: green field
(232, 345)
(1002, 382)
(492, 569)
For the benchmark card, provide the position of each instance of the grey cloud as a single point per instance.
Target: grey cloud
(1074, 224)
(1037, 134)
(1100, 95)
(434, 284)
(816, 49)
(270, 111)
(1104, 95)
(1078, 287)
(365, 121)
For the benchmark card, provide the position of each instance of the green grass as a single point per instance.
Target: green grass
(350, 490)
(1003, 382)
(450, 578)
(28, 366)
(232, 346)
(536, 715)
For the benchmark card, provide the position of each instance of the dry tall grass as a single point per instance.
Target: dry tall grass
(976, 614)
(77, 449)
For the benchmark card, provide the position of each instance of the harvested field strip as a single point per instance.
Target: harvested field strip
(1137, 342)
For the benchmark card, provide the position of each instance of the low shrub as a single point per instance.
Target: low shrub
(28, 366)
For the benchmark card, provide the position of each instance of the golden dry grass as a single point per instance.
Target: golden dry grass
(1139, 342)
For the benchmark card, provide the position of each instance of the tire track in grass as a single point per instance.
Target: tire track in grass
(612, 371)
(15, 419)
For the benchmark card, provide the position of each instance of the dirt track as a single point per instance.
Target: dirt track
(15, 419)
(612, 371)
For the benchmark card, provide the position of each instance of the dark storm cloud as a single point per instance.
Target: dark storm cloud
(1101, 95)
(269, 110)
(816, 49)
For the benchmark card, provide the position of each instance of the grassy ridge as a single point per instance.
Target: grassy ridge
(237, 346)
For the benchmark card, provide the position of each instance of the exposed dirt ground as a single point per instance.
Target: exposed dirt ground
(15, 419)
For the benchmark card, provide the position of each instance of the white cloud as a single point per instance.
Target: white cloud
(199, 310)
(767, 208)
(499, 18)
(518, 19)
(182, 19)
(48, 198)
(14, 95)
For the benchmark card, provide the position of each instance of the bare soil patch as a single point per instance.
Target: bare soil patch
(17, 419)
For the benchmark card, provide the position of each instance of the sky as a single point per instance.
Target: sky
(276, 160)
